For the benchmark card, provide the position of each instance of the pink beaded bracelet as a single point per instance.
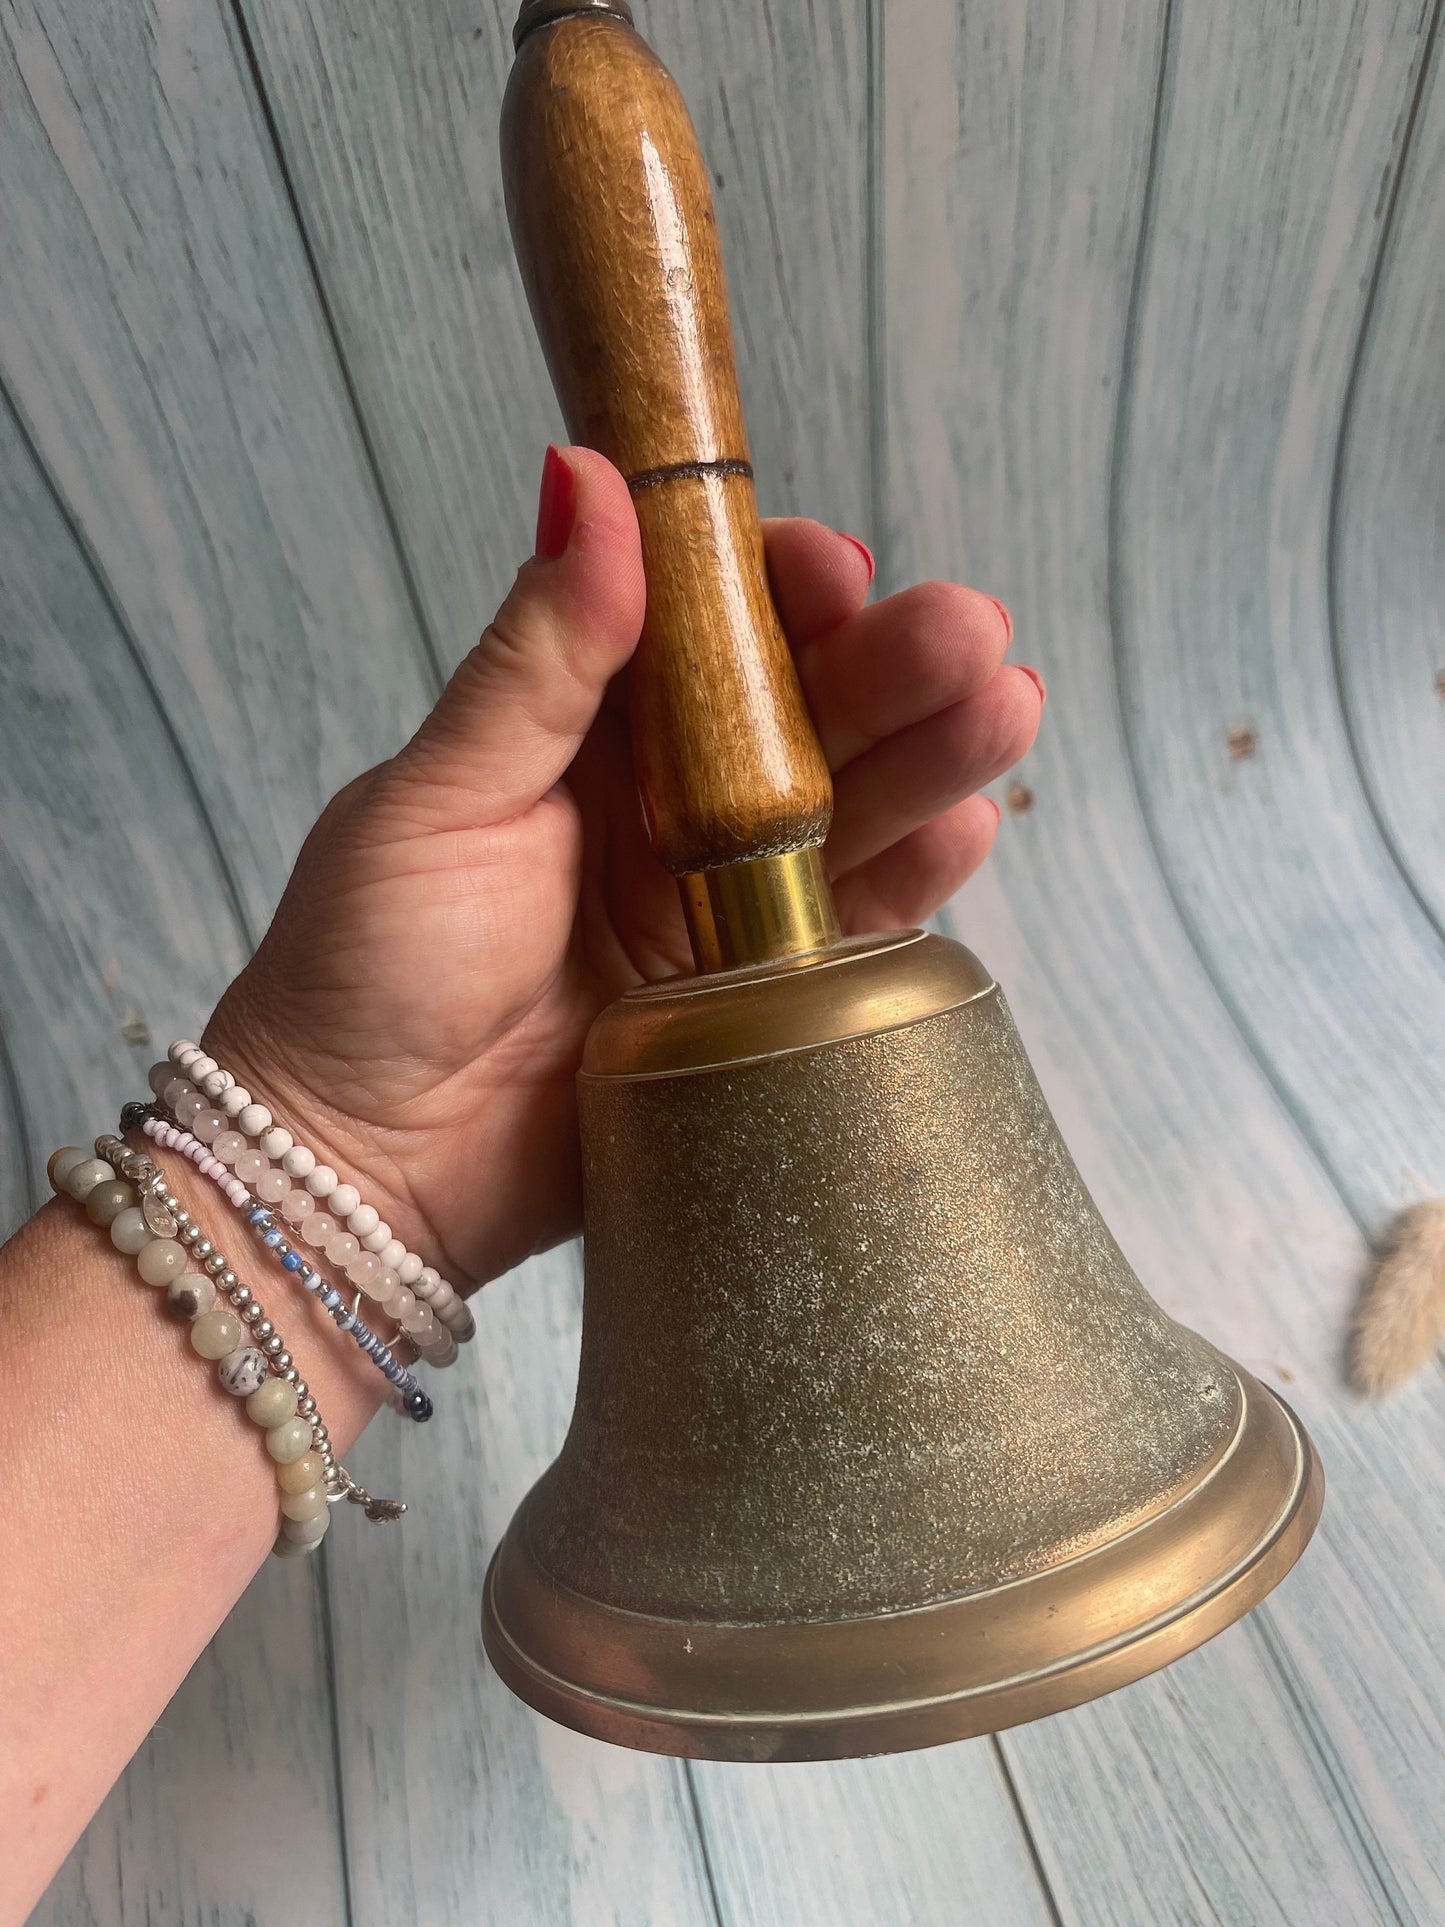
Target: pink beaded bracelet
(206, 1099)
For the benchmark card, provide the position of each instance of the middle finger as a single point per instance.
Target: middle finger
(898, 662)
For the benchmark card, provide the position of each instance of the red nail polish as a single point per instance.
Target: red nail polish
(557, 505)
(863, 550)
(1008, 622)
(1036, 679)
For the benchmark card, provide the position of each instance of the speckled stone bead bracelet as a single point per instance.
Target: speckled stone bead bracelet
(124, 1193)
(409, 1397)
(205, 1099)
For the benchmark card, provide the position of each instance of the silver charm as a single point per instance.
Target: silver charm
(379, 1511)
(383, 1510)
(158, 1219)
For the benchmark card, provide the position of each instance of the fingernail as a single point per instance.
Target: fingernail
(1008, 622)
(863, 550)
(997, 812)
(1036, 679)
(556, 506)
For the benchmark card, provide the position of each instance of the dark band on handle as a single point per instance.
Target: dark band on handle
(611, 211)
(726, 465)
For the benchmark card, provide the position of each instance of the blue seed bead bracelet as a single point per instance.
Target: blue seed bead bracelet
(409, 1396)
(319, 1207)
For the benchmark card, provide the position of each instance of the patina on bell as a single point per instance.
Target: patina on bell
(878, 1440)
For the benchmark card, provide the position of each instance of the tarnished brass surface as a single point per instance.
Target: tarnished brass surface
(855, 1336)
(883, 1683)
(857, 1350)
(754, 912)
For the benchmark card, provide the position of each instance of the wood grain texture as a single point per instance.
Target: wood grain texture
(218, 636)
(612, 219)
(1388, 546)
(729, 766)
(1246, 329)
(461, 1805)
(387, 121)
(1261, 1780)
(162, 341)
(612, 223)
(914, 1839)
(18, 1195)
(115, 932)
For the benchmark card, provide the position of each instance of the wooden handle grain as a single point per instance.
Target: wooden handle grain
(613, 223)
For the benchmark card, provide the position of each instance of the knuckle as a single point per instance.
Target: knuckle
(958, 740)
(949, 610)
(938, 606)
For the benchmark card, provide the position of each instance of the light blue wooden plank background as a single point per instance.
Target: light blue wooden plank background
(1129, 311)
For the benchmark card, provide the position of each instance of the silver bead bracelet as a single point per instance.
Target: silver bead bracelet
(406, 1393)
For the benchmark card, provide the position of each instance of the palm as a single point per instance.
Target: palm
(445, 976)
(420, 1003)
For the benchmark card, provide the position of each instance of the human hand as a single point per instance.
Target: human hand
(461, 913)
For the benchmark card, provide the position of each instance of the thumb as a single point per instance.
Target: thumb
(513, 715)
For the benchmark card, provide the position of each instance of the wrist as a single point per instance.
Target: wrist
(296, 1091)
(304, 1161)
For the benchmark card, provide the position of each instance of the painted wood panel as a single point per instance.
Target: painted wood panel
(462, 1806)
(1250, 305)
(17, 1194)
(1388, 553)
(244, 645)
(161, 339)
(1257, 1782)
(113, 934)
(1314, 939)
(284, 413)
(386, 122)
(920, 1838)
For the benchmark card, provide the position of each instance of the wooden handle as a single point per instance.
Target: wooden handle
(613, 222)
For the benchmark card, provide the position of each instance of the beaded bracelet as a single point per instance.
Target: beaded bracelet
(123, 1192)
(202, 1097)
(321, 1185)
(409, 1396)
(221, 1156)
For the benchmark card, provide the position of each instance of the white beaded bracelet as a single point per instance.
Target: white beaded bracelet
(204, 1098)
(124, 1193)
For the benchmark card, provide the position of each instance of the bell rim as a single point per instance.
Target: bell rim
(1267, 1492)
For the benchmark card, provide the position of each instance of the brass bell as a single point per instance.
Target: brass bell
(878, 1440)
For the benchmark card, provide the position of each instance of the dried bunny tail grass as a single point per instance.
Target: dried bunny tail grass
(1401, 1316)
